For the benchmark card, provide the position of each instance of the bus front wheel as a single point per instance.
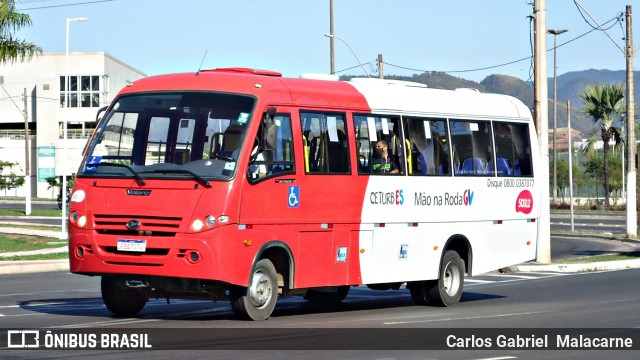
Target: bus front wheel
(447, 290)
(258, 300)
(119, 300)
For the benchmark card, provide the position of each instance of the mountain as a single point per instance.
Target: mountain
(571, 84)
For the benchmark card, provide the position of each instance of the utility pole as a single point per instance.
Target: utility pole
(380, 67)
(543, 254)
(570, 165)
(632, 201)
(632, 213)
(332, 53)
(27, 171)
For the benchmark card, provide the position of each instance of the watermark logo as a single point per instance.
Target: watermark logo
(23, 339)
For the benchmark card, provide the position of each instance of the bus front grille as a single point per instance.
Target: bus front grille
(147, 225)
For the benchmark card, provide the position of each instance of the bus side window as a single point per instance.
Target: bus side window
(473, 149)
(370, 129)
(428, 152)
(513, 150)
(325, 143)
(272, 151)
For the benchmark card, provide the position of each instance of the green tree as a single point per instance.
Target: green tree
(11, 48)
(11, 181)
(53, 183)
(604, 103)
(563, 176)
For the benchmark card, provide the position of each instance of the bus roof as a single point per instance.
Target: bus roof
(415, 98)
(359, 94)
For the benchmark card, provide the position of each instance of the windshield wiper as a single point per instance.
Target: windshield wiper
(197, 177)
(136, 176)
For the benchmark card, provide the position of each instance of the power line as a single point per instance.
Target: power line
(616, 19)
(65, 5)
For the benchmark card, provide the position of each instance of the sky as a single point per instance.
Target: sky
(413, 36)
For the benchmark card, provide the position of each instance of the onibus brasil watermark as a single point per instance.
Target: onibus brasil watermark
(41, 339)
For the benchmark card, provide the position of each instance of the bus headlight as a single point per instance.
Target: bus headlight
(197, 225)
(79, 220)
(78, 196)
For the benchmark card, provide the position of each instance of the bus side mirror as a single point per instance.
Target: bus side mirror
(100, 113)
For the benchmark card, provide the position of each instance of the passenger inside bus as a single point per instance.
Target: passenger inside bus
(383, 163)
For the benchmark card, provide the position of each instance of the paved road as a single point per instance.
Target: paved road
(495, 301)
(613, 223)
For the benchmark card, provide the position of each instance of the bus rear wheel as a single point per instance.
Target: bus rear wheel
(121, 301)
(258, 300)
(447, 290)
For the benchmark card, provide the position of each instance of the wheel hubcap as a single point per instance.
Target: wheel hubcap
(451, 279)
(260, 291)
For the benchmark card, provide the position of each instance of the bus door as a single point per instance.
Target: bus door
(271, 190)
(331, 199)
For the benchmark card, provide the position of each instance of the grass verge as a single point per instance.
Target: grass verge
(34, 212)
(54, 256)
(14, 242)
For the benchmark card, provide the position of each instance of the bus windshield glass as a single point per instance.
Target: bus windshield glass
(182, 135)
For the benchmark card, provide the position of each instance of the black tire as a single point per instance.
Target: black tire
(121, 301)
(447, 290)
(334, 297)
(258, 301)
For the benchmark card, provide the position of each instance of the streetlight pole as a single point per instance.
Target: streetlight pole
(331, 36)
(555, 113)
(63, 190)
(331, 41)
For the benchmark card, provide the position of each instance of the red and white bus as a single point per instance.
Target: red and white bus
(242, 185)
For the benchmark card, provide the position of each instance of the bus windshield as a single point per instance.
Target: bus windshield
(192, 135)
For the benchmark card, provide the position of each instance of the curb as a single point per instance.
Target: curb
(33, 266)
(579, 267)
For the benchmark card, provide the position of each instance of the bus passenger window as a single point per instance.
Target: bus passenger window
(472, 147)
(325, 146)
(272, 152)
(513, 150)
(428, 152)
(379, 144)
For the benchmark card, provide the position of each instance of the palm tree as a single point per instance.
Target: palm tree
(603, 102)
(12, 49)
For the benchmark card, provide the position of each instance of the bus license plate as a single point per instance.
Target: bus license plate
(132, 245)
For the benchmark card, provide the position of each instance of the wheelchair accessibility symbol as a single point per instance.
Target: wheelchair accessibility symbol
(294, 196)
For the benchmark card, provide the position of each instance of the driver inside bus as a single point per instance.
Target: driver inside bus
(383, 163)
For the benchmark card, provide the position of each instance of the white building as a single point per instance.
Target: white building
(94, 79)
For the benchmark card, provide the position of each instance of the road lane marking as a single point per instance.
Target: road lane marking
(106, 323)
(479, 281)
